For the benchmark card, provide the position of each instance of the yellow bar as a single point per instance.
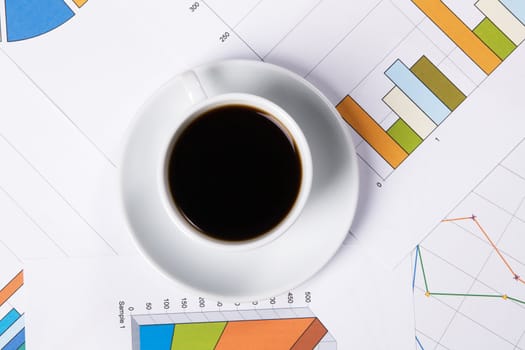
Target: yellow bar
(80, 3)
(460, 34)
(372, 132)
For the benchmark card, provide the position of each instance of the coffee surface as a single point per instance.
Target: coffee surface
(234, 173)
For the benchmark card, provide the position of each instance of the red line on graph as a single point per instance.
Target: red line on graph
(458, 219)
(474, 218)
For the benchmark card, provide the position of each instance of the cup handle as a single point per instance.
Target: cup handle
(180, 94)
(193, 86)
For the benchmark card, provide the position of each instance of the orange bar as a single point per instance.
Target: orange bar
(10, 289)
(460, 34)
(311, 337)
(80, 3)
(279, 334)
(372, 132)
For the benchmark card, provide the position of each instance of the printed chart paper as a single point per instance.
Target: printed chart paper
(108, 298)
(469, 271)
(430, 90)
(411, 78)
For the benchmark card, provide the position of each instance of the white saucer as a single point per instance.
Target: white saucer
(283, 263)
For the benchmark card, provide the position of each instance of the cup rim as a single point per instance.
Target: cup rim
(225, 270)
(279, 116)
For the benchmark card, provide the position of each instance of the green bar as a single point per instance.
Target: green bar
(438, 83)
(404, 136)
(22, 347)
(197, 336)
(494, 38)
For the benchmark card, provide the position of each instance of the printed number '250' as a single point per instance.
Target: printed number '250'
(225, 36)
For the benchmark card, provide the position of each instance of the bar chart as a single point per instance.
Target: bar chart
(422, 96)
(12, 325)
(30, 18)
(279, 329)
(460, 34)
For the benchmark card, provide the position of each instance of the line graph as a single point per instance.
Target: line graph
(429, 293)
(467, 273)
(503, 259)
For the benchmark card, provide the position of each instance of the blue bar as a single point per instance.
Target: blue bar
(517, 7)
(29, 18)
(156, 337)
(12, 331)
(417, 92)
(17, 341)
(8, 320)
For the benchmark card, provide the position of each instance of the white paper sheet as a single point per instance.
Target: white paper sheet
(67, 96)
(357, 300)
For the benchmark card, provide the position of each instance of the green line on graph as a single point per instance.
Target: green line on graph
(423, 269)
(517, 300)
(428, 293)
(469, 295)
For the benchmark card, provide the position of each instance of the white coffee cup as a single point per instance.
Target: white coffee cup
(298, 246)
(202, 105)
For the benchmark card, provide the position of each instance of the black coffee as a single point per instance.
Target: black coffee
(234, 173)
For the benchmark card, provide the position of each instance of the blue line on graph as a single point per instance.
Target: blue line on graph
(419, 343)
(415, 267)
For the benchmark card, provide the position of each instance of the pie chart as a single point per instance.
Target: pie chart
(26, 19)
